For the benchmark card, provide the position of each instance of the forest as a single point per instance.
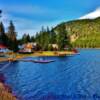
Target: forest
(44, 39)
(87, 32)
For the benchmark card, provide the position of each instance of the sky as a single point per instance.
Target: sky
(29, 16)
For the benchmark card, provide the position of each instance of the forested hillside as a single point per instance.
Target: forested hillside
(83, 33)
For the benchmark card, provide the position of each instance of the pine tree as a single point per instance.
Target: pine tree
(2, 30)
(25, 38)
(32, 39)
(13, 43)
(53, 37)
(11, 32)
(62, 38)
(3, 37)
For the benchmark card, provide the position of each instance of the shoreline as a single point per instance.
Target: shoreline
(88, 48)
(16, 56)
(6, 92)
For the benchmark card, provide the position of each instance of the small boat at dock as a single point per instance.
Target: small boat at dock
(42, 61)
(38, 61)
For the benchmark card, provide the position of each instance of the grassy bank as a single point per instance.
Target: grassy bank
(16, 56)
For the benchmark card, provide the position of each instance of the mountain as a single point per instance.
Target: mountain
(83, 32)
(92, 15)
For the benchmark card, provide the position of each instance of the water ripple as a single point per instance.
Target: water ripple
(67, 76)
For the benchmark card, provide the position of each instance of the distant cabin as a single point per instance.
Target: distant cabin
(28, 48)
(54, 46)
(3, 48)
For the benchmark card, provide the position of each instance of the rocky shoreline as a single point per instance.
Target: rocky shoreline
(5, 90)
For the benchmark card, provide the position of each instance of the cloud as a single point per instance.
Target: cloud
(25, 25)
(20, 15)
(26, 9)
(92, 15)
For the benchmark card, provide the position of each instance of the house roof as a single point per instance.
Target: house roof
(3, 46)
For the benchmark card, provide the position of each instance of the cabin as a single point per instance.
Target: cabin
(28, 48)
(66, 47)
(54, 46)
(3, 48)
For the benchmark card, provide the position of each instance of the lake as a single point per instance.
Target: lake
(74, 77)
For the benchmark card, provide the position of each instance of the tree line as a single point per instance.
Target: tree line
(9, 38)
(46, 37)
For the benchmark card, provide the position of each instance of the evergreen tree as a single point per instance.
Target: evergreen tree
(25, 39)
(28, 38)
(3, 37)
(53, 37)
(32, 39)
(37, 40)
(2, 30)
(13, 43)
(62, 38)
(11, 32)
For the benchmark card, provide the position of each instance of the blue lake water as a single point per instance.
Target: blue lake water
(68, 78)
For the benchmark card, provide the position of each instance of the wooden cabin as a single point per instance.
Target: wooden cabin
(3, 48)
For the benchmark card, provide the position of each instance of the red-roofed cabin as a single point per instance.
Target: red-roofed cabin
(3, 48)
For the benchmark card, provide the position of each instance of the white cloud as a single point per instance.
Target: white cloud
(92, 15)
(24, 25)
(28, 25)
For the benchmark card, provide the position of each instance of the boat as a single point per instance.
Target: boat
(37, 61)
(2, 55)
(42, 61)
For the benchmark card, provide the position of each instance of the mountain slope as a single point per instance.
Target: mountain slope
(83, 33)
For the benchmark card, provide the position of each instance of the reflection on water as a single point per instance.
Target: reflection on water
(68, 77)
